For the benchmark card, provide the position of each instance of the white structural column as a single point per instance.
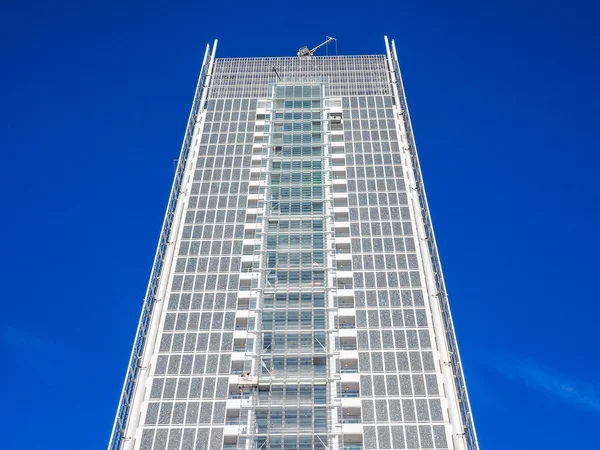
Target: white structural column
(126, 429)
(460, 426)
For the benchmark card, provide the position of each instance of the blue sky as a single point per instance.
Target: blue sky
(505, 106)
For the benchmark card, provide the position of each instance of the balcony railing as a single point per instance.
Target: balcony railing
(347, 347)
(342, 251)
(238, 395)
(345, 305)
(350, 394)
(351, 419)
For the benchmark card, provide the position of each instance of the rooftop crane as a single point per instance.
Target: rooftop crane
(304, 52)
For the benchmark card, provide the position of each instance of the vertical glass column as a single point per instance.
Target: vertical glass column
(291, 409)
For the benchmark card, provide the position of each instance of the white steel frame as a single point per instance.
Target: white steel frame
(463, 436)
(128, 412)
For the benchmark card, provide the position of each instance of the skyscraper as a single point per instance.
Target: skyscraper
(296, 299)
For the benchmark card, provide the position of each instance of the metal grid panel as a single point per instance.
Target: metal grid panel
(346, 75)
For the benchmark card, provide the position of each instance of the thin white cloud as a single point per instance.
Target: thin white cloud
(551, 382)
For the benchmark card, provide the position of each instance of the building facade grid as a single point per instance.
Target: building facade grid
(296, 300)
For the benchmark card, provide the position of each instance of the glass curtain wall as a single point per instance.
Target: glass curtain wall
(291, 411)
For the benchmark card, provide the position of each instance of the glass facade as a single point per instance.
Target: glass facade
(289, 405)
(296, 301)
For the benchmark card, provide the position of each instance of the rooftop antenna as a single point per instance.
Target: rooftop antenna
(304, 52)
